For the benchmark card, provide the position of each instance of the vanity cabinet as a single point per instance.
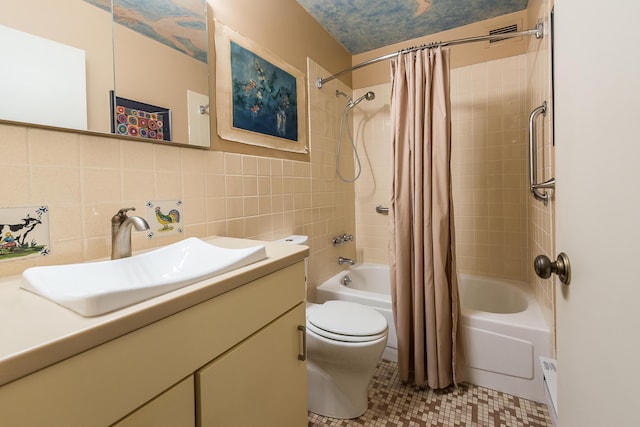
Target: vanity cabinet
(224, 357)
(172, 408)
(260, 382)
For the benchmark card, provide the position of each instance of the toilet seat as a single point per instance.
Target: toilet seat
(347, 321)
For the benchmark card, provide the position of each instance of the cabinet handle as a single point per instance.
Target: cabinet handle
(303, 331)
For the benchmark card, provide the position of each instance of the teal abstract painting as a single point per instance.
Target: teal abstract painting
(264, 97)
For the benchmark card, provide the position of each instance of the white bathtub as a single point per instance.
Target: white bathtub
(505, 335)
(504, 330)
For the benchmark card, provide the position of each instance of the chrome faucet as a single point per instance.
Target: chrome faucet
(121, 232)
(343, 261)
(341, 240)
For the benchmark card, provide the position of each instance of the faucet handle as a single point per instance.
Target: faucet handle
(121, 215)
(124, 211)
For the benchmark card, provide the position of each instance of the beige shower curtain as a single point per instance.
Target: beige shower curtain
(424, 285)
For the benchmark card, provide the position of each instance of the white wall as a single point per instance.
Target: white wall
(597, 205)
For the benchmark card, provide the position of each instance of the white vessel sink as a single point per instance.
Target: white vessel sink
(95, 288)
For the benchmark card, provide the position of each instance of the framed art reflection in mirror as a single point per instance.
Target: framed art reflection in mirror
(134, 118)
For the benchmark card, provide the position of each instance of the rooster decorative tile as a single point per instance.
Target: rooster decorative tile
(164, 217)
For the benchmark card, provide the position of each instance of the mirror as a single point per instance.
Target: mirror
(140, 71)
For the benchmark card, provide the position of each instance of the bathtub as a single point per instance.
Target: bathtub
(503, 328)
(505, 335)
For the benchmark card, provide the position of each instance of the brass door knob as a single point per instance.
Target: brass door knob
(561, 266)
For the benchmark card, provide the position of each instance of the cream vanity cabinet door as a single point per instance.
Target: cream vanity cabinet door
(259, 382)
(172, 408)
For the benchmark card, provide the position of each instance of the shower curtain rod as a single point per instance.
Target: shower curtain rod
(538, 31)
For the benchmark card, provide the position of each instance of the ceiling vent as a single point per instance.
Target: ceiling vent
(503, 30)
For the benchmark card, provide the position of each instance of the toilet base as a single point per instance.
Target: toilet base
(326, 398)
(338, 378)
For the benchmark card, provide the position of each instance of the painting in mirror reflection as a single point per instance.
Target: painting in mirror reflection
(179, 24)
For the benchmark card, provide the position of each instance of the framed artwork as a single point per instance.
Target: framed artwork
(134, 118)
(260, 98)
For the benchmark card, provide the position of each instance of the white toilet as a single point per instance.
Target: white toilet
(345, 341)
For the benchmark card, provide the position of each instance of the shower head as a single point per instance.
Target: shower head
(368, 96)
(351, 103)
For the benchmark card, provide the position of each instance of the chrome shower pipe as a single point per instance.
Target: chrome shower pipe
(338, 93)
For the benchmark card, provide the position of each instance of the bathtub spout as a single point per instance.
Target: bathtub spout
(343, 261)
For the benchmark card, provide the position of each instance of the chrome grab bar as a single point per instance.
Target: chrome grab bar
(381, 210)
(535, 186)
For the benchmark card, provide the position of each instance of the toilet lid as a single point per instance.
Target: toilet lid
(347, 321)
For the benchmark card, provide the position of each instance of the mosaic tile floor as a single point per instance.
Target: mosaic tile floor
(393, 404)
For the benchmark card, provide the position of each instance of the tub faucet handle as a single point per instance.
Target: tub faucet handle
(341, 240)
(346, 280)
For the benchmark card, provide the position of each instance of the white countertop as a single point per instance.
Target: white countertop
(36, 332)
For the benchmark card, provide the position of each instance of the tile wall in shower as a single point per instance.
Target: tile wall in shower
(488, 166)
(489, 151)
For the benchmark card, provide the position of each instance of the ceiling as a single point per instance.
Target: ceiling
(363, 25)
